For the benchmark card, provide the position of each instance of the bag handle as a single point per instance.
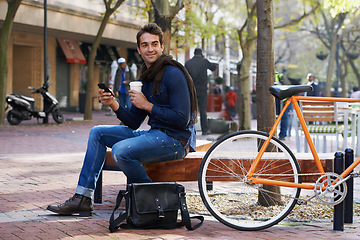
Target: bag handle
(186, 219)
(115, 223)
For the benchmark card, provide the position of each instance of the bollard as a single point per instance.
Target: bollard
(339, 208)
(349, 199)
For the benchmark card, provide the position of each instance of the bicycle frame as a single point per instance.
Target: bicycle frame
(294, 100)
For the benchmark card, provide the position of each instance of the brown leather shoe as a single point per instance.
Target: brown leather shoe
(76, 204)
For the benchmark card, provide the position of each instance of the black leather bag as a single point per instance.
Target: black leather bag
(152, 205)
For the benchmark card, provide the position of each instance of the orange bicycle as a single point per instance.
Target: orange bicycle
(255, 178)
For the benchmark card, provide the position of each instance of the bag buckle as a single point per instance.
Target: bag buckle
(182, 194)
(159, 208)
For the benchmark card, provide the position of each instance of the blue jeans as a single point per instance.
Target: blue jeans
(284, 123)
(129, 149)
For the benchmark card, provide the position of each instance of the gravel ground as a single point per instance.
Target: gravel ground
(301, 213)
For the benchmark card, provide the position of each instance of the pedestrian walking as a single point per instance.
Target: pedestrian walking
(355, 93)
(280, 79)
(123, 78)
(197, 67)
(231, 99)
(311, 81)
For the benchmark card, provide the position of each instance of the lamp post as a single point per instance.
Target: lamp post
(46, 119)
(337, 94)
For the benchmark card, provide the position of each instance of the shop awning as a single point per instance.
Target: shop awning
(72, 51)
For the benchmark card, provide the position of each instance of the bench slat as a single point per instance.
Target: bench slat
(187, 169)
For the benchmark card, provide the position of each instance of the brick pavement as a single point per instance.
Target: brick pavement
(40, 166)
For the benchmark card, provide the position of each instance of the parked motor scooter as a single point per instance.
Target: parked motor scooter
(22, 107)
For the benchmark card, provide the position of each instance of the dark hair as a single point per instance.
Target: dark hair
(151, 28)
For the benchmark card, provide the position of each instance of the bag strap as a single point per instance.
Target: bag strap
(115, 223)
(186, 219)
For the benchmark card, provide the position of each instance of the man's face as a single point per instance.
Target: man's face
(150, 48)
(123, 65)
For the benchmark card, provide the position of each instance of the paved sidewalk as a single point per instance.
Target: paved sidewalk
(40, 166)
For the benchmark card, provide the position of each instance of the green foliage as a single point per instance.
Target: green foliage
(341, 6)
(202, 20)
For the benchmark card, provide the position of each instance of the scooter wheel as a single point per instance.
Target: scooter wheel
(57, 116)
(12, 119)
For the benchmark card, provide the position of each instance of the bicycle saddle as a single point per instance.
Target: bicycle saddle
(282, 92)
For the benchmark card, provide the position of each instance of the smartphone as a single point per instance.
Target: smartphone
(103, 86)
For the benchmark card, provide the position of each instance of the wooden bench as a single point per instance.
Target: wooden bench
(187, 169)
(172, 171)
(322, 119)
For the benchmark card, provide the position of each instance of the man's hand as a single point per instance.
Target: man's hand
(107, 99)
(140, 101)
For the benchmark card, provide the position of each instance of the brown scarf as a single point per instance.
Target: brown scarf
(155, 73)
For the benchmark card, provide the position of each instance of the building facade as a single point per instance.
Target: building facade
(71, 29)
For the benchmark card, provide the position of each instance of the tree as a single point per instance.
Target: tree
(164, 13)
(247, 38)
(341, 6)
(265, 73)
(332, 32)
(13, 6)
(110, 7)
(265, 77)
(335, 35)
(265, 67)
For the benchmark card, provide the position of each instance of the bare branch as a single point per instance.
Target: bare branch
(297, 20)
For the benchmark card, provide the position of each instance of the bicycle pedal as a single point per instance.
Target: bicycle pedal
(355, 174)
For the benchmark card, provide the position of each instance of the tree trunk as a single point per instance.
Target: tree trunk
(91, 84)
(243, 81)
(13, 6)
(356, 71)
(331, 65)
(265, 78)
(265, 67)
(165, 24)
(244, 89)
(164, 14)
(343, 72)
(332, 32)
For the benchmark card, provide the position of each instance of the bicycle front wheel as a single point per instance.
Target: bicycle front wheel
(238, 203)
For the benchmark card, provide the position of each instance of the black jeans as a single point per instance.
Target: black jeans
(202, 101)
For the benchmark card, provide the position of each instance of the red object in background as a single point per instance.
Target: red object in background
(214, 103)
(225, 114)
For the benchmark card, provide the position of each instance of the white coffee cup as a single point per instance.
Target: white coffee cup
(136, 85)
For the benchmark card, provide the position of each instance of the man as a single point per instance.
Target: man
(168, 98)
(281, 79)
(311, 78)
(122, 79)
(197, 67)
(231, 99)
(355, 93)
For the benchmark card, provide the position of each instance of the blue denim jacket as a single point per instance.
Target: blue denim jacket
(171, 110)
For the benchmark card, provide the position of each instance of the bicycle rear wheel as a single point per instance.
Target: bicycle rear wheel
(240, 204)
